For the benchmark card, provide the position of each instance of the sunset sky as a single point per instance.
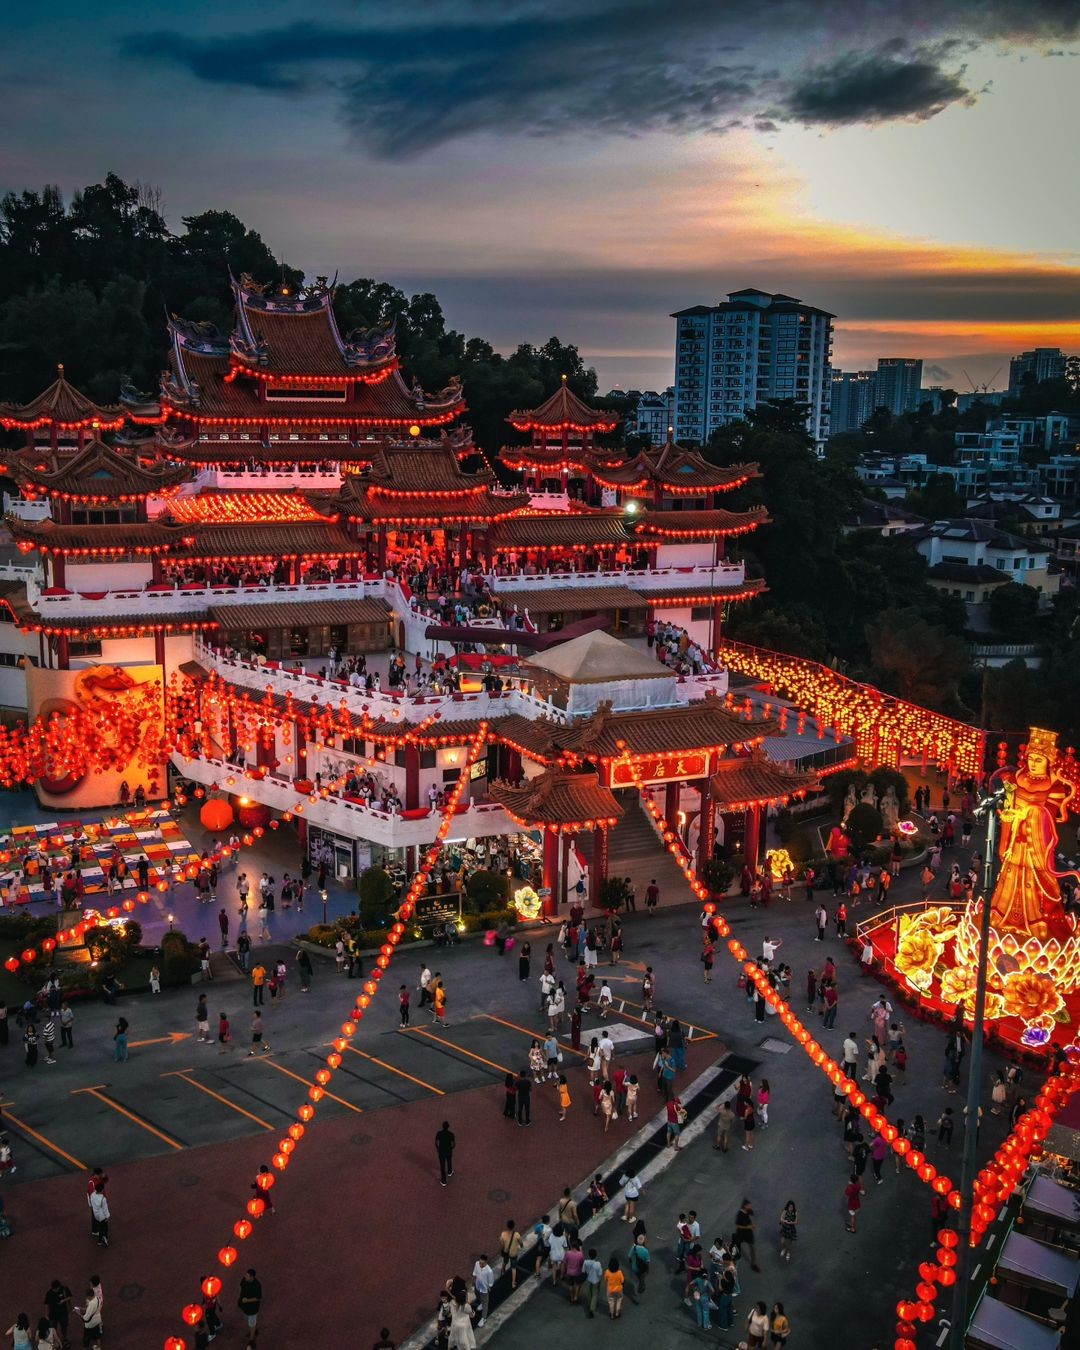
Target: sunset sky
(583, 167)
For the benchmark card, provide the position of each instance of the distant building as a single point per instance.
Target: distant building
(1043, 363)
(1055, 431)
(654, 414)
(884, 518)
(852, 399)
(754, 348)
(898, 384)
(989, 398)
(969, 557)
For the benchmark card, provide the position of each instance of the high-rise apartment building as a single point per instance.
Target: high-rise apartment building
(853, 399)
(754, 348)
(898, 384)
(1044, 363)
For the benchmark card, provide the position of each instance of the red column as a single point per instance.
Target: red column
(671, 805)
(159, 647)
(294, 571)
(412, 778)
(707, 825)
(551, 872)
(301, 752)
(513, 764)
(752, 835)
(63, 661)
(564, 866)
(717, 625)
(59, 568)
(598, 870)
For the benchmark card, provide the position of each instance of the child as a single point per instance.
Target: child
(273, 983)
(223, 1033)
(604, 1001)
(6, 1165)
(403, 1004)
(631, 1097)
(564, 1096)
(597, 1193)
(155, 980)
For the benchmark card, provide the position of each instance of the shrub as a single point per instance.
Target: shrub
(326, 935)
(376, 893)
(613, 892)
(487, 890)
(864, 825)
(718, 875)
(107, 946)
(800, 847)
(490, 918)
(133, 933)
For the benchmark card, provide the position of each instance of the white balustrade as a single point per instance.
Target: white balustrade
(701, 576)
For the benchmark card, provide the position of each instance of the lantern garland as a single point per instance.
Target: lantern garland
(255, 1208)
(876, 720)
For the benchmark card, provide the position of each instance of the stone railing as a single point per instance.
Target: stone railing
(642, 579)
(184, 599)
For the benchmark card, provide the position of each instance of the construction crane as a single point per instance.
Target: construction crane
(983, 388)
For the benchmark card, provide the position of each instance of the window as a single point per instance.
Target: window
(87, 647)
(701, 612)
(969, 596)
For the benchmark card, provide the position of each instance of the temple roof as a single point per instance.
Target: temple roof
(423, 468)
(705, 725)
(705, 524)
(270, 541)
(96, 472)
(213, 449)
(578, 461)
(13, 595)
(563, 411)
(699, 590)
(482, 506)
(597, 657)
(560, 530)
(558, 798)
(296, 334)
(751, 779)
(115, 540)
(309, 613)
(676, 469)
(572, 599)
(61, 406)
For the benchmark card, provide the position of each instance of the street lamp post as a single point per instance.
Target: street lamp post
(969, 1166)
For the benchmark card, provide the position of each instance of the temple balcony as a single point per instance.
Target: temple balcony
(37, 509)
(640, 579)
(191, 598)
(352, 819)
(277, 477)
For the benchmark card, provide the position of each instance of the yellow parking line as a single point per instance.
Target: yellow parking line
(422, 1031)
(533, 1035)
(262, 1059)
(47, 1143)
(183, 1073)
(394, 1069)
(100, 1096)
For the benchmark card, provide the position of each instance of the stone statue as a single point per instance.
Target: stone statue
(868, 796)
(890, 809)
(849, 802)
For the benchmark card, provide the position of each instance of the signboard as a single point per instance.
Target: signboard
(431, 911)
(661, 769)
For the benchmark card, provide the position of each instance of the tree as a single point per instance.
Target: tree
(937, 499)
(1010, 696)
(863, 825)
(376, 891)
(1014, 611)
(915, 659)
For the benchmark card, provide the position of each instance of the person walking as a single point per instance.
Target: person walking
(48, 1036)
(510, 1250)
(853, 1193)
(831, 998)
(725, 1120)
(223, 926)
(780, 1327)
(30, 1045)
(99, 1214)
(524, 961)
(258, 983)
(58, 1306)
(652, 897)
(438, 1007)
(524, 1098)
(632, 1189)
(789, 1228)
(639, 1257)
(757, 1327)
(444, 1147)
(257, 1034)
(90, 1313)
(744, 1232)
(594, 1273)
(564, 1097)
(483, 1282)
(120, 1041)
(202, 1019)
(250, 1299)
(821, 918)
(879, 1151)
(303, 961)
(614, 1280)
(509, 1094)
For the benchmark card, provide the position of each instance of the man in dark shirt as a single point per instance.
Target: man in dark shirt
(524, 1098)
(250, 1300)
(444, 1146)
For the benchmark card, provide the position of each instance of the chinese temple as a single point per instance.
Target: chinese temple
(287, 498)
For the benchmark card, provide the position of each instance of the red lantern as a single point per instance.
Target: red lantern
(924, 1312)
(192, 1314)
(211, 1286)
(948, 1238)
(296, 1131)
(256, 1207)
(947, 1278)
(29, 955)
(926, 1291)
(265, 1181)
(242, 1228)
(306, 1112)
(12, 964)
(175, 1343)
(281, 1160)
(216, 815)
(227, 1256)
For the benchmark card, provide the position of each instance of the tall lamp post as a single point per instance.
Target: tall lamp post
(988, 807)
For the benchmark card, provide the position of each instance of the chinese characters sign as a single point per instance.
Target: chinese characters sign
(660, 769)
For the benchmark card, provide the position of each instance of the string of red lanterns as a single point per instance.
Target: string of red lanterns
(192, 1313)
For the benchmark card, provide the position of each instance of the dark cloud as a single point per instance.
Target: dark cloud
(936, 372)
(626, 67)
(875, 87)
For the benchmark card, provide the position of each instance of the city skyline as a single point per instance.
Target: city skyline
(586, 171)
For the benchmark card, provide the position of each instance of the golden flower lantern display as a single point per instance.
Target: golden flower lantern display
(527, 903)
(1033, 959)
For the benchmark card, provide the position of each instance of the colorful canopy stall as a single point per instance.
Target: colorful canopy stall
(996, 1326)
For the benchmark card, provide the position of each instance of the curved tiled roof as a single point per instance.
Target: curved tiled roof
(677, 469)
(560, 530)
(563, 410)
(570, 599)
(97, 472)
(751, 779)
(49, 537)
(558, 798)
(62, 406)
(700, 524)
